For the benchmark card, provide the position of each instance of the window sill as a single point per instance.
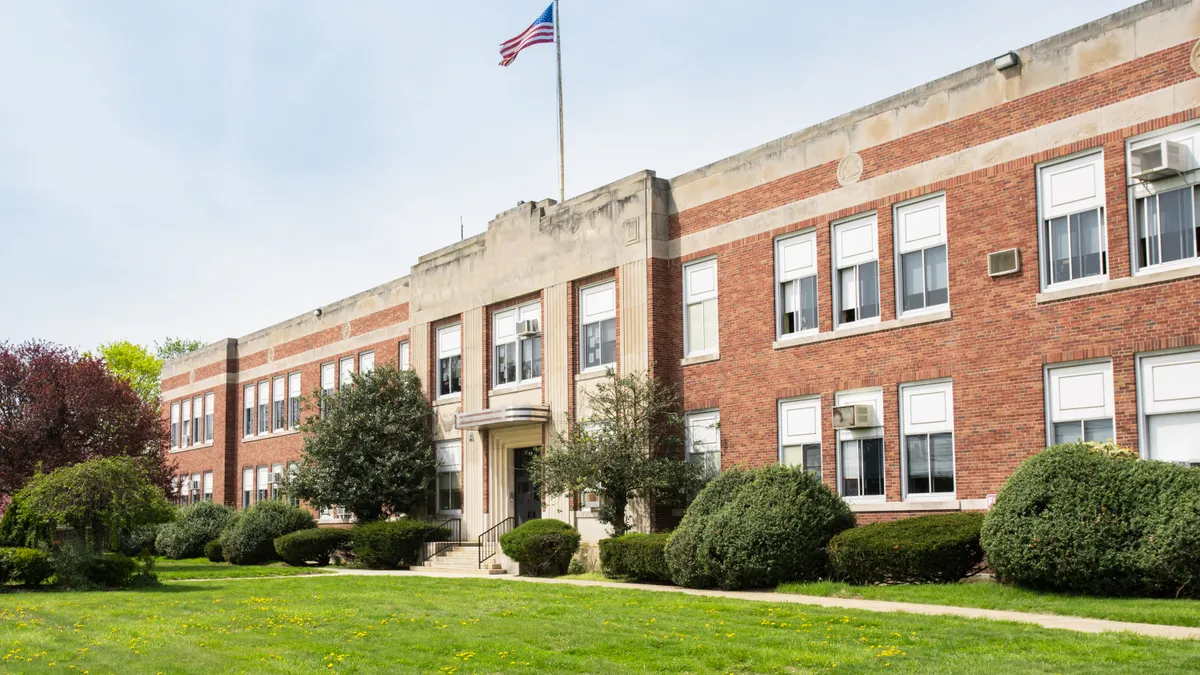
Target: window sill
(263, 437)
(514, 388)
(917, 504)
(852, 331)
(700, 358)
(594, 374)
(1145, 278)
(447, 400)
(202, 446)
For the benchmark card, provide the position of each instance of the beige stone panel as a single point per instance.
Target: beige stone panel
(444, 412)
(1103, 51)
(1187, 95)
(472, 507)
(418, 351)
(923, 114)
(520, 395)
(874, 130)
(634, 314)
(975, 96)
(1127, 113)
(556, 335)
(828, 148)
(473, 377)
(584, 387)
(1062, 132)
(1167, 29)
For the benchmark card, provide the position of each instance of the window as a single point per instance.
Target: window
(700, 334)
(279, 403)
(208, 486)
(181, 490)
(294, 400)
(449, 476)
(800, 433)
(517, 355)
(264, 412)
(292, 468)
(1079, 399)
(598, 326)
(927, 424)
(186, 438)
(327, 374)
(345, 372)
(248, 410)
(175, 424)
(921, 245)
(366, 362)
(449, 365)
(1170, 397)
(276, 478)
(1073, 234)
(856, 259)
(402, 358)
(1167, 227)
(796, 268)
(194, 489)
(210, 404)
(264, 489)
(197, 420)
(704, 440)
(247, 486)
(860, 450)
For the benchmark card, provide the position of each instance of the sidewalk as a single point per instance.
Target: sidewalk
(1074, 623)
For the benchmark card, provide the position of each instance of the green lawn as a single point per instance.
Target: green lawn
(429, 625)
(991, 595)
(201, 568)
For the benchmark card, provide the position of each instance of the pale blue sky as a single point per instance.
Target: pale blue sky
(210, 167)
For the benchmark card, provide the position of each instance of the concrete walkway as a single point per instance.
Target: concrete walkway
(1074, 623)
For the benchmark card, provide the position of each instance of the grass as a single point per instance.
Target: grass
(202, 568)
(991, 595)
(410, 624)
(591, 576)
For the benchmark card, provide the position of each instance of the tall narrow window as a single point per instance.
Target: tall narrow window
(264, 487)
(279, 403)
(194, 489)
(927, 423)
(800, 433)
(175, 424)
(197, 420)
(402, 358)
(1170, 399)
(449, 476)
(210, 404)
(700, 308)
(346, 372)
(264, 407)
(598, 326)
(921, 243)
(276, 481)
(1074, 242)
(449, 364)
(186, 437)
(704, 440)
(294, 400)
(860, 450)
(517, 345)
(248, 410)
(247, 486)
(529, 335)
(1080, 400)
(366, 362)
(292, 468)
(856, 290)
(208, 486)
(327, 385)
(796, 269)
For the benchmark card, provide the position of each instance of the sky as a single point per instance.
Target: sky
(204, 169)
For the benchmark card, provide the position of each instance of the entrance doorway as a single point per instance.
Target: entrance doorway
(526, 504)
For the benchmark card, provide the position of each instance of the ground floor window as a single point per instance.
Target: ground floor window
(264, 490)
(1169, 391)
(247, 487)
(704, 440)
(807, 456)
(449, 476)
(930, 460)
(862, 467)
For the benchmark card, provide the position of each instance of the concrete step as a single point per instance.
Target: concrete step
(460, 566)
(466, 570)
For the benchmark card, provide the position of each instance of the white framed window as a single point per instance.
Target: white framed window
(856, 270)
(366, 362)
(247, 486)
(860, 458)
(328, 375)
(449, 363)
(796, 273)
(701, 334)
(1079, 402)
(294, 399)
(800, 433)
(186, 436)
(1169, 394)
(274, 479)
(703, 434)
(927, 431)
(248, 410)
(924, 278)
(1074, 241)
(197, 420)
(208, 486)
(517, 345)
(449, 476)
(598, 326)
(1165, 228)
(210, 406)
(175, 424)
(292, 469)
(279, 403)
(264, 484)
(264, 407)
(194, 484)
(345, 372)
(403, 356)
(181, 491)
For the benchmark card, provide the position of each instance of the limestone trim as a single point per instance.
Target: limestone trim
(893, 324)
(702, 358)
(1122, 284)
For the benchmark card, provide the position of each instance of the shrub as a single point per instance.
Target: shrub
(757, 528)
(20, 527)
(317, 545)
(635, 556)
(575, 567)
(925, 549)
(195, 526)
(111, 570)
(1076, 520)
(141, 538)
(542, 546)
(384, 544)
(250, 539)
(28, 566)
(212, 551)
(70, 562)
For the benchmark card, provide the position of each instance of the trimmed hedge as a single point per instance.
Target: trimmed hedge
(635, 556)
(385, 544)
(1072, 519)
(111, 570)
(756, 529)
(250, 538)
(298, 548)
(542, 546)
(28, 566)
(195, 526)
(925, 549)
(214, 552)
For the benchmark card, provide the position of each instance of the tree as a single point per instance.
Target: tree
(171, 347)
(58, 408)
(371, 449)
(100, 499)
(630, 447)
(134, 364)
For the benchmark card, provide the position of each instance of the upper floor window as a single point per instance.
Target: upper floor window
(197, 420)
(1080, 400)
(402, 357)
(294, 400)
(345, 372)
(927, 425)
(327, 384)
(796, 270)
(921, 245)
(1071, 201)
(703, 432)
(449, 363)
(248, 410)
(366, 362)
(598, 326)
(517, 344)
(1170, 399)
(279, 403)
(175, 424)
(264, 407)
(1163, 175)
(700, 308)
(186, 436)
(210, 404)
(800, 433)
(860, 449)
(856, 259)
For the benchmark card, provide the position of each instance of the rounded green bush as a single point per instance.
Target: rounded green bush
(250, 538)
(111, 570)
(755, 529)
(635, 556)
(925, 549)
(28, 566)
(542, 546)
(195, 526)
(298, 548)
(214, 552)
(140, 539)
(1074, 520)
(386, 544)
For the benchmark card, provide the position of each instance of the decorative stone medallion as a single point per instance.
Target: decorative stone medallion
(850, 169)
(1196, 57)
(271, 353)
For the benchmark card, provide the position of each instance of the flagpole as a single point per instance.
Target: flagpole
(562, 181)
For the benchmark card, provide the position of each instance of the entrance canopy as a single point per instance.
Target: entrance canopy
(494, 418)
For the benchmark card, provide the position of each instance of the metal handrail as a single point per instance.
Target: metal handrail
(455, 527)
(488, 540)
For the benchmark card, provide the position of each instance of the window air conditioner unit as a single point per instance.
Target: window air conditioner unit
(855, 416)
(195, 485)
(527, 328)
(1004, 262)
(276, 478)
(1160, 160)
(345, 517)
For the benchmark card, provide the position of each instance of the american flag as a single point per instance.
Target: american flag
(539, 32)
